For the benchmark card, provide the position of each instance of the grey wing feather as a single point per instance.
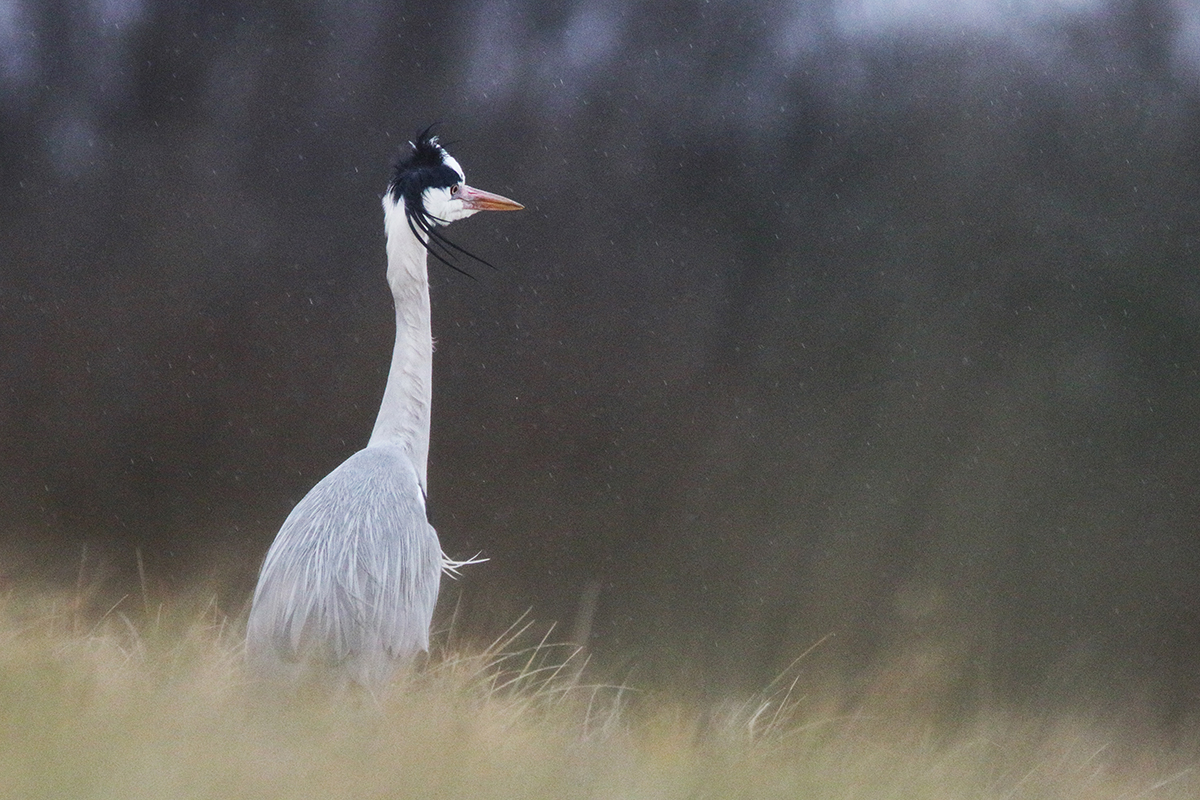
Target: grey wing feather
(352, 578)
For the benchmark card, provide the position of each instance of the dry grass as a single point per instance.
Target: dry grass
(157, 707)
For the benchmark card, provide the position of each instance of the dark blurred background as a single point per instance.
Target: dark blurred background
(878, 319)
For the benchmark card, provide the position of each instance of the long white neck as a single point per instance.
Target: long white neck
(404, 413)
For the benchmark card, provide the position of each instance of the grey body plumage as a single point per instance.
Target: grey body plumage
(352, 579)
(348, 587)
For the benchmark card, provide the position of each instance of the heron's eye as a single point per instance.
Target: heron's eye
(454, 190)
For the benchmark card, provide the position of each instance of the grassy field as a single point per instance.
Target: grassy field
(150, 701)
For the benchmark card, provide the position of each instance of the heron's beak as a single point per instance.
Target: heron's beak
(479, 200)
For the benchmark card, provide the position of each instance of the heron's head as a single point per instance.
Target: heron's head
(430, 184)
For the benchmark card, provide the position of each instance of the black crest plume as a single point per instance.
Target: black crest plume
(424, 167)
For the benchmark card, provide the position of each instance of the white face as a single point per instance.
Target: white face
(444, 205)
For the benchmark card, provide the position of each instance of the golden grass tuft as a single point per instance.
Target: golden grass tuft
(155, 705)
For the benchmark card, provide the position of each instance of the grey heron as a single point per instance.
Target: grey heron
(348, 587)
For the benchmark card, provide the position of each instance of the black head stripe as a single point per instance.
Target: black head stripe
(424, 167)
